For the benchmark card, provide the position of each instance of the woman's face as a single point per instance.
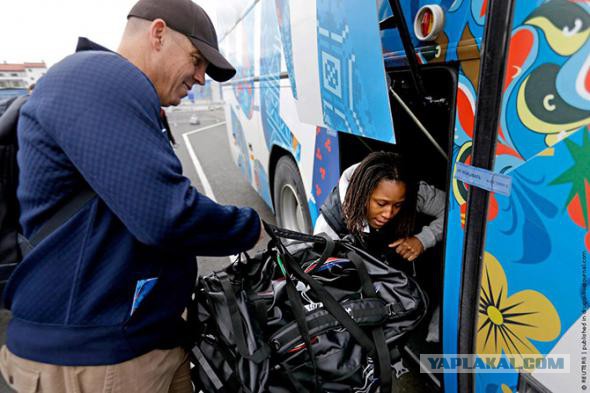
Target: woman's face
(385, 202)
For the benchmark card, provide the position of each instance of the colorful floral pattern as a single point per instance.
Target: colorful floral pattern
(508, 322)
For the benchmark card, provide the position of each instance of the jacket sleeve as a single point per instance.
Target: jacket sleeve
(431, 201)
(112, 134)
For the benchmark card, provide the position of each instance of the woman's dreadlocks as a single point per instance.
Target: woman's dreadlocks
(376, 167)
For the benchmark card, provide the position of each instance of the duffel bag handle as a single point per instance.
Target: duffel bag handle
(277, 233)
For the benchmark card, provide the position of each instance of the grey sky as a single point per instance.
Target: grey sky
(47, 30)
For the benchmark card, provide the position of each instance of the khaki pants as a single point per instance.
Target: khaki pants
(158, 371)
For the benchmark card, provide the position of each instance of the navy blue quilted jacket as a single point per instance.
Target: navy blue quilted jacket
(111, 283)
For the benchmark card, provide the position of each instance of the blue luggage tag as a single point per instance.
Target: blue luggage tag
(142, 288)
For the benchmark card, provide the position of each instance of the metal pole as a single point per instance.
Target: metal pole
(489, 101)
(418, 123)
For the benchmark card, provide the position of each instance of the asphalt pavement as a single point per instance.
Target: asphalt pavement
(210, 145)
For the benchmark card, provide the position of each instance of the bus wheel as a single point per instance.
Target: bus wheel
(290, 202)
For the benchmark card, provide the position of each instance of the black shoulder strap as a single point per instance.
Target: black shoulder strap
(9, 119)
(8, 123)
(62, 215)
(57, 220)
(383, 360)
(261, 353)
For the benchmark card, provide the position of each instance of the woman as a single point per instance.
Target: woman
(381, 199)
(379, 209)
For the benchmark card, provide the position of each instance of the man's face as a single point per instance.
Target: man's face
(182, 66)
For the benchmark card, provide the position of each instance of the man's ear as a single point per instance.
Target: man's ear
(157, 32)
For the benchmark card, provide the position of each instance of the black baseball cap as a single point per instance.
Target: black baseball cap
(188, 18)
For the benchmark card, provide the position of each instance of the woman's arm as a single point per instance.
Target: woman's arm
(431, 201)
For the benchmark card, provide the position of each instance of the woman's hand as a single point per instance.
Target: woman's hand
(408, 248)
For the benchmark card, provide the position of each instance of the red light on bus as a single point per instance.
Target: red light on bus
(429, 22)
(426, 23)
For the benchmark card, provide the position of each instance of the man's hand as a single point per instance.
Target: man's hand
(408, 248)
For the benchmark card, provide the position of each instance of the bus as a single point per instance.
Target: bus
(491, 102)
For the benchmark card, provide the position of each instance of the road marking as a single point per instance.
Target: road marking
(199, 168)
(203, 128)
(197, 164)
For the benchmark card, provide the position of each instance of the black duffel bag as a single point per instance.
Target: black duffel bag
(258, 320)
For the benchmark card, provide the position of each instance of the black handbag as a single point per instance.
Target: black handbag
(311, 315)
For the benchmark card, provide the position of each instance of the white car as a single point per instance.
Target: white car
(194, 119)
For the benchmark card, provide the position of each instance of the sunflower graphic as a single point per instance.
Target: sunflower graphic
(507, 323)
(506, 389)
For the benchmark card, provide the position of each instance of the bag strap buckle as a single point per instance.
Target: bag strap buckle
(393, 309)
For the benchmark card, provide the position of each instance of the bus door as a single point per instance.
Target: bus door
(533, 293)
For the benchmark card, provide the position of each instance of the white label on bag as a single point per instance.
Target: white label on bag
(313, 306)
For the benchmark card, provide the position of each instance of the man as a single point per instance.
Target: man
(97, 305)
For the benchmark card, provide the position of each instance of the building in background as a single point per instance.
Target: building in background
(16, 78)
